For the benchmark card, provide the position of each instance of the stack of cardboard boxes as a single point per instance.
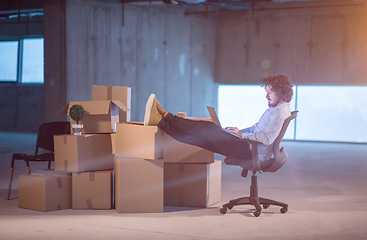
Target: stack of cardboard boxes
(137, 168)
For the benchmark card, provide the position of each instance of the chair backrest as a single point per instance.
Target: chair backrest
(46, 132)
(277, 141)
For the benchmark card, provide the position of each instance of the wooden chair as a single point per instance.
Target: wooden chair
(45, 140)
(272, 165)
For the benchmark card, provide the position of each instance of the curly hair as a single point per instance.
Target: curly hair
(281, 84)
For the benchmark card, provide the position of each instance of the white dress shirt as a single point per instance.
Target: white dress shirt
(267, 129)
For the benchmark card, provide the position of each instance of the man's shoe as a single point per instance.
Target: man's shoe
(160, 109)
(152, 116)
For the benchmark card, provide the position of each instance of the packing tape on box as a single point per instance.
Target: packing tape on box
(59, 182)
(109, 93)
(65, 165)
(89, 203)
(91, 176)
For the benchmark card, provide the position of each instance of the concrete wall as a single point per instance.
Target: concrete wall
(313, 46)
(152, 49)
(21, 105)
(157, 49)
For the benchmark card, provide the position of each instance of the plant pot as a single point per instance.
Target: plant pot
(77, 128)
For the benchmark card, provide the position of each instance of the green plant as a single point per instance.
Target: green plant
(76, 112)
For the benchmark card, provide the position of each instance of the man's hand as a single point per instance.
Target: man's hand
(234, 130)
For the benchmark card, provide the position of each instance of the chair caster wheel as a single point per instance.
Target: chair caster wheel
(266, 206)
(283, 210)
(257, 213)
(223, 210)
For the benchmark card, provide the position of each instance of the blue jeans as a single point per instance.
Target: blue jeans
(204, 134)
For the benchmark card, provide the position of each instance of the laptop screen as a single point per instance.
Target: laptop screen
(213, 116)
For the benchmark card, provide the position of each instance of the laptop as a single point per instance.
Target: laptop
(215, 119)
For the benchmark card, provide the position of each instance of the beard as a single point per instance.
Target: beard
(273, 104)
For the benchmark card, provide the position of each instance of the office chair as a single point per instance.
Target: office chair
(45, 140)
(272, 165)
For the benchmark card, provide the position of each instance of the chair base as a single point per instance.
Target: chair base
(254, 200)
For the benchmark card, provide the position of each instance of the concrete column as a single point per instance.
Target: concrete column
(55, 59)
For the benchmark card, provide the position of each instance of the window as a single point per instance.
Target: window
(22, 61)
(332, 113)
(242, 106)
(32, 61)
(327, 113)
(8, 61)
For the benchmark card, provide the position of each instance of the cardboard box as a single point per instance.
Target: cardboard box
(83, 153)
(178, 152)
(192, 184)
(113, 142)
(138, 185)
(134, 140)
(51, 172)
(120, 93)
(92, 190)
(44, 192)
(99, 116)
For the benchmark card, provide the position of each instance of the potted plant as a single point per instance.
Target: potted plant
(76, 113)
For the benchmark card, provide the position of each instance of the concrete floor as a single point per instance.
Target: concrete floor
(323, 184)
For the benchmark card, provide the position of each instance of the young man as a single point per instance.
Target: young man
(209, 136)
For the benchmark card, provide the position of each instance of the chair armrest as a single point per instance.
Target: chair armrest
(255, 153)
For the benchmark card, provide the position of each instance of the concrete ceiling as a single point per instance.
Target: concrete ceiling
(16, 6)
(13, 6)
(257, 5)
(12, 9)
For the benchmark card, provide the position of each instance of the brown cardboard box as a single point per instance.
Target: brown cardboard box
(92, 190)
(138, 185)
(178, 152)
(121, 93)
(99, 116)
(44, 192)
(51, 172)
(113, 142)
(134, 140)
(89, 152)
(192, 184)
